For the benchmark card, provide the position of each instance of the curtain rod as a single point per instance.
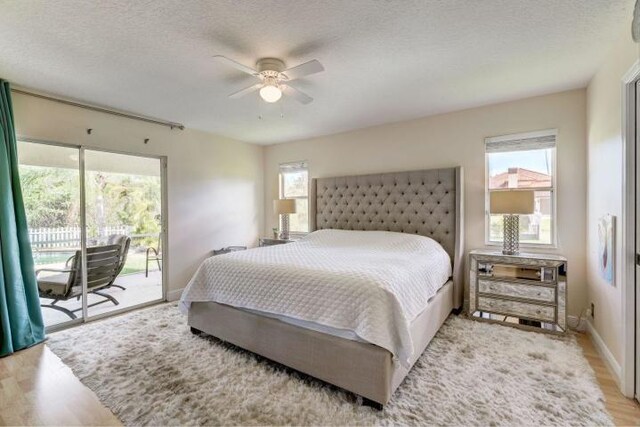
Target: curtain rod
(171, 125)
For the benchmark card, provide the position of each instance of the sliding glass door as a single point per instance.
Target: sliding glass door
(123, 208)
(111, 202)
(50, 178)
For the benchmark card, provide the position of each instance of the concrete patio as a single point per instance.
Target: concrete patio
(139, 289)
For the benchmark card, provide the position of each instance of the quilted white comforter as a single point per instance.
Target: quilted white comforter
(373, 283)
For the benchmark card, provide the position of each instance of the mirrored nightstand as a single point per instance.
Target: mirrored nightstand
(525, 290)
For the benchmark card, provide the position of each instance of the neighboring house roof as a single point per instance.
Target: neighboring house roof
(524, 178)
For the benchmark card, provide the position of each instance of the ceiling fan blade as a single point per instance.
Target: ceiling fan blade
(311, 67)
(296, 94)
(236, 65)
(246, 91)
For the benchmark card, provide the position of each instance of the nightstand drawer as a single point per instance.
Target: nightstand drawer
(517, 290)
(518, 309)
(494, 270)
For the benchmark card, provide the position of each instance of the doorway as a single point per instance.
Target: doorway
(633, 274)
(97, 229)
(629, 374)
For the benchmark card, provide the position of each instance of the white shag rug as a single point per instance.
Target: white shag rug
(149, 369)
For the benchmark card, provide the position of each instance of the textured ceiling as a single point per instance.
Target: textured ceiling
(385, 60)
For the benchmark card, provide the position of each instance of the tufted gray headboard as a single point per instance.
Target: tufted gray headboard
(425, 202)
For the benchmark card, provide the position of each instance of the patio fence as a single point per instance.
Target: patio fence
(69, 237)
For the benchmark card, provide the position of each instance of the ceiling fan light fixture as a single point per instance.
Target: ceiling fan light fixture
(274, 79)
(271, 93)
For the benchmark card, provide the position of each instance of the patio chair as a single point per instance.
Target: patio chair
(154, 254)
(104, 263)
(125, 242)
(114, 239)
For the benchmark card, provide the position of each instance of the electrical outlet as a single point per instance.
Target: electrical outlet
(592, 311)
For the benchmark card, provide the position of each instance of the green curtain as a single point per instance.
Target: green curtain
(20, 317)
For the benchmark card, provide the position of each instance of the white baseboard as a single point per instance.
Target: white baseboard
(572, 322)
(609, 360)
(174, 295)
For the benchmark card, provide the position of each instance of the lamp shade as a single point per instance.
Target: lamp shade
(512, 202)
(284, 206)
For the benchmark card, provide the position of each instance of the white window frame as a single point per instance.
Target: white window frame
(302, 164)
(554, 188)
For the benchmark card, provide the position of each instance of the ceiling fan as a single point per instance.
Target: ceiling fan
(274, 78)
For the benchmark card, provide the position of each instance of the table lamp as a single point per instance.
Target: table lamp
(284, 207)
(511, 204)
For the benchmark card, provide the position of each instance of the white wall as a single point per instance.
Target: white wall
(605, 161)
(458, 139)
(215, 184)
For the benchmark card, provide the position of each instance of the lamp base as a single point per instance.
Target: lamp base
(511, 235)
(284, 227)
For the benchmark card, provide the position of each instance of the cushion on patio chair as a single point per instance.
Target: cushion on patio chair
(54, 285)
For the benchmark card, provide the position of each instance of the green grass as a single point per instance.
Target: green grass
(136, 263)
(545, 230)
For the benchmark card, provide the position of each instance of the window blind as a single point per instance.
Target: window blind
(293, 167)
(521, 142)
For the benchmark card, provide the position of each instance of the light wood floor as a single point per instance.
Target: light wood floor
(625, 412)
(36, 388)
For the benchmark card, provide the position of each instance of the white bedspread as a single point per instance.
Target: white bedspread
(373, 283)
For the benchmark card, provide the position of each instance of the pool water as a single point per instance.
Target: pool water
(41, 258)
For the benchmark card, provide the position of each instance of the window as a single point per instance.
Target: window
(523, 161)
(294, 184)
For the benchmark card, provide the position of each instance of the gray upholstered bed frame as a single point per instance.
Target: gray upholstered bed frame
(426, 202)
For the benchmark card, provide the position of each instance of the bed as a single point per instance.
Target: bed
(385, 288)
